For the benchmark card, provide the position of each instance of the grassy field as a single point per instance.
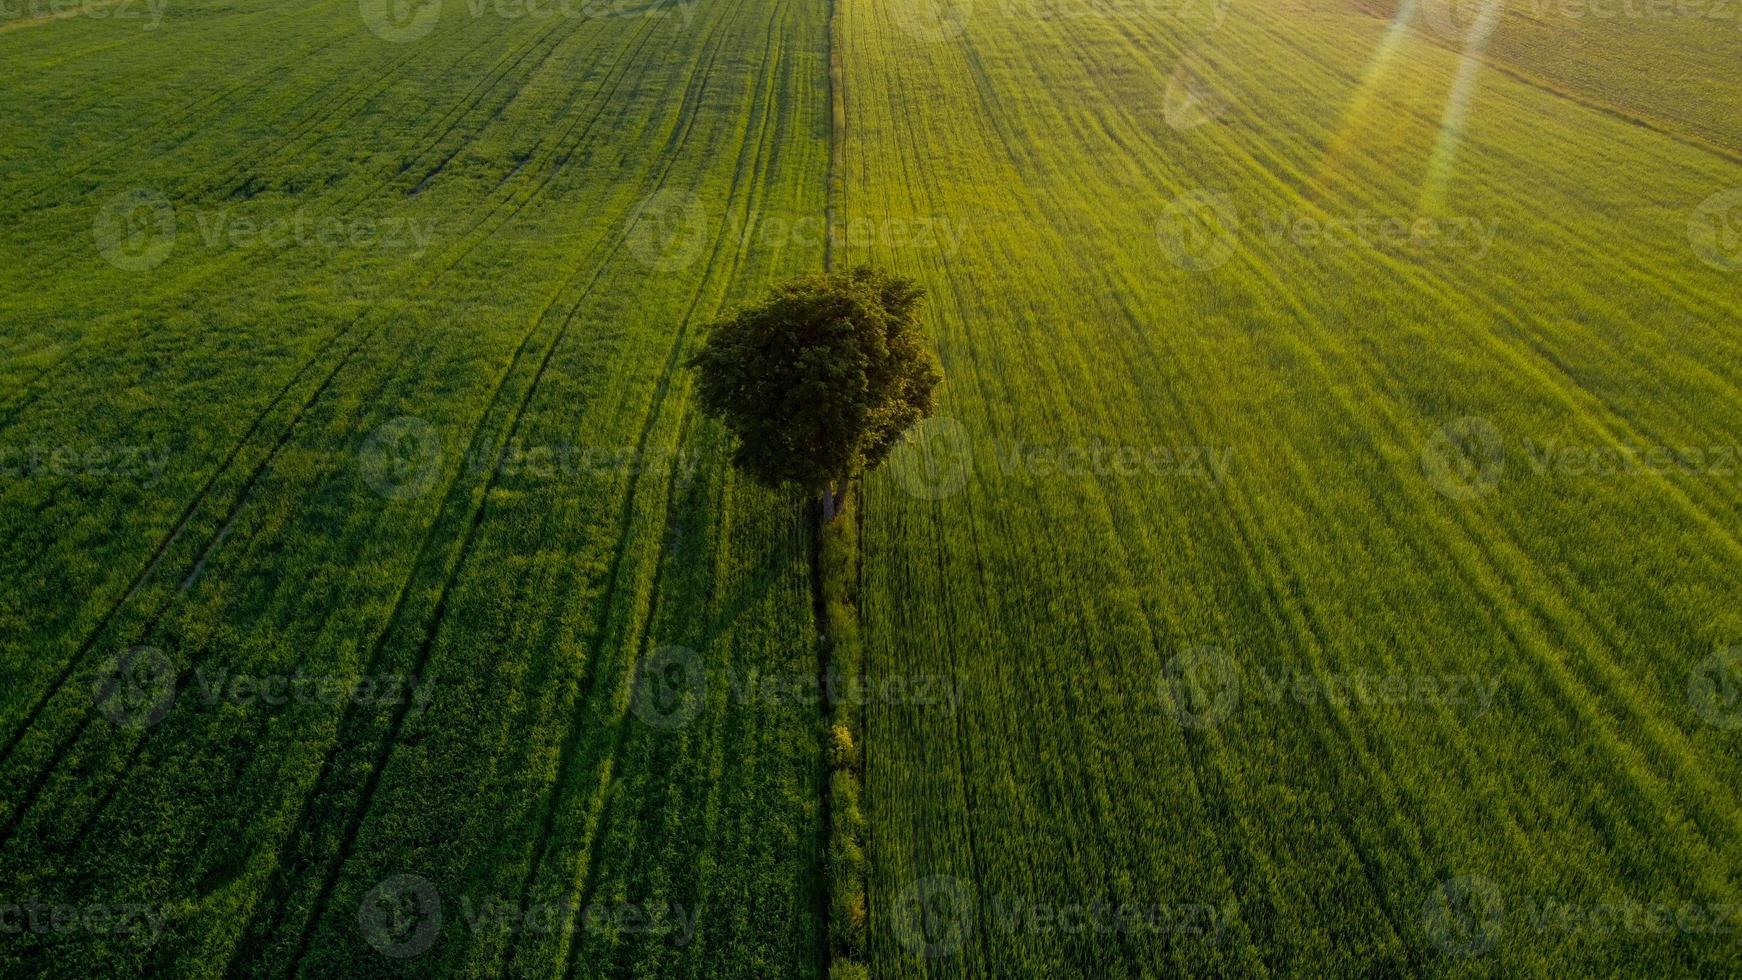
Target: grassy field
(405, 384)
(1324, 560)
(1256, 638)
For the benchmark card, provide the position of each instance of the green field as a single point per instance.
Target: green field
(1325, 559)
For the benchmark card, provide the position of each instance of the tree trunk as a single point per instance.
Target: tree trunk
(834, 498)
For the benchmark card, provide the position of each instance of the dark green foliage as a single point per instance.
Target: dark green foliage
(819, 381)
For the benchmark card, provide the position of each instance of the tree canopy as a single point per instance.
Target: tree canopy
(819, 381)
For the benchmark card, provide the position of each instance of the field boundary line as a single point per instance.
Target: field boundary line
(834, 564)
(1517, 73)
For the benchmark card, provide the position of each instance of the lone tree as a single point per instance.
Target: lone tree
(819, 381)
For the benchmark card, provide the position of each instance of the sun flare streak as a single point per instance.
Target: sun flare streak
(1439, 172)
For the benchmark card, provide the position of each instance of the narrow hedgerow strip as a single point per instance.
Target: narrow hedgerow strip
(842, 663)
(842, 650)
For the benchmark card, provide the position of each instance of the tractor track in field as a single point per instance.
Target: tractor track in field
(570, 746)
(324, 113)
(1548, 372)
(16, 818)
(450, 120)
(1524, 76)
(595, 850)
(1288, 620)
(976, 859)
(394, 616)
(197, 110)
(187, 513)
(601, 831)
(1574, 695)
(348, 839)
(1304, 624)
(1199, 761)
(1259, 912)
(834, 195)
(1372, 866)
